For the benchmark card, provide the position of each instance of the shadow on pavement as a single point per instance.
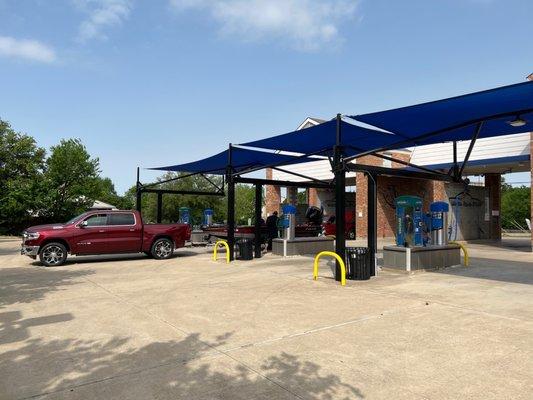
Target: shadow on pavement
(23, 285)
(495, 270)
(13, 328)
(187, 369)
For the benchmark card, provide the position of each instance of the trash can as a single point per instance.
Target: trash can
(246, 249)
(358, 263)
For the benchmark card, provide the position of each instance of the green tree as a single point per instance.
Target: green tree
(244, 203)
(106, 192)
(21, 163)
(70, 182)
(516, 206)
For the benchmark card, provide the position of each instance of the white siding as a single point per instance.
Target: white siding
(316, 169)
(484, 149)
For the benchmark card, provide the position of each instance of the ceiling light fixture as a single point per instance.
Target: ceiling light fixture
(517, 122)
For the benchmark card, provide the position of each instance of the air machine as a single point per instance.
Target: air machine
(208, 217)
(409, 221)
(185, 215)
(288, 222)
(421, 238)
(439, 223)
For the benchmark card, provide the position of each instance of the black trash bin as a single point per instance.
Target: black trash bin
(358, 263)
(246, 249)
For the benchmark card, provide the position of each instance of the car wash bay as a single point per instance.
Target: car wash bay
(342, 140)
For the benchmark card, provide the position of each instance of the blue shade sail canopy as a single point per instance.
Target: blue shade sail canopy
(321, 138)
(242, 160)
(456, 118)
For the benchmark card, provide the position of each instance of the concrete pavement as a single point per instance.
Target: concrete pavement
(128, 327)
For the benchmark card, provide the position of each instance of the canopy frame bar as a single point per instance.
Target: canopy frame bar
(402, 173)
(277, 164)
(406, 163)
(150, 188)
(470, 148)
(276, 182)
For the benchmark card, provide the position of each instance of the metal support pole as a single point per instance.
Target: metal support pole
(231, 205)
(159, 207)
(372, 223)
(455, 165)
(340, 201)
(258, 206)
(138, 193)
(470, 148)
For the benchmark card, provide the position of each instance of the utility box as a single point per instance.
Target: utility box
(439, 223)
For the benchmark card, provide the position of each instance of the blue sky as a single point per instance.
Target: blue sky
(158, 82)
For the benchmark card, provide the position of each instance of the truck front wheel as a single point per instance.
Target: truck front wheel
(162, 249)
(53, 254)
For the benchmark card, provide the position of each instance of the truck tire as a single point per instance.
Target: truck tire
(53, 254)
(162, 249)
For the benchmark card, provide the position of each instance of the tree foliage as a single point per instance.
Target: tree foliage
(39, 189)
(70, 180)
(105, 191)
(36, 189)
(516, 206)
(21, 166)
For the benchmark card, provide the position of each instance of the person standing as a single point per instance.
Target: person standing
(272, 228)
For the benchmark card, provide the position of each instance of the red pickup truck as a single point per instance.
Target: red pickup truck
(102, 232)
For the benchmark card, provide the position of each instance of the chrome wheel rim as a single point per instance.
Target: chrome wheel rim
(53, 255)
(163, 249)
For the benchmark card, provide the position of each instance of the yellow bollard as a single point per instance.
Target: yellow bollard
(225, 244)
(465, 252)
(338, 258)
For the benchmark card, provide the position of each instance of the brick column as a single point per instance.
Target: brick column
(361, 200)
(273, 196)
(438, 191)
(361, 196)
(312, 197)
(493, 183)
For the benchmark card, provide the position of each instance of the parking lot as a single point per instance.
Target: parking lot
(190, 328)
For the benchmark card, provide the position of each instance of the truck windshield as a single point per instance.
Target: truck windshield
(72, 220)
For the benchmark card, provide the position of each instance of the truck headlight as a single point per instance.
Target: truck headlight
(32, 235)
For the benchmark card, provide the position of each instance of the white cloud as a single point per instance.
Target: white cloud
(102, 14)
(306, 24)
(27, 49)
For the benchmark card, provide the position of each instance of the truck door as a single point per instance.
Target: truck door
(92, 235)
(124, 233)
